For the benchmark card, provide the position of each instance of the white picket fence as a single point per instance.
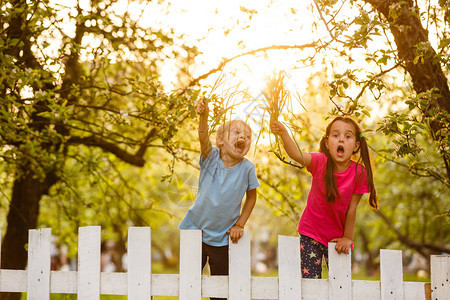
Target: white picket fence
(138, 283)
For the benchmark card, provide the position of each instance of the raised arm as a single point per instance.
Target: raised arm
(203, 129)
(291, 148)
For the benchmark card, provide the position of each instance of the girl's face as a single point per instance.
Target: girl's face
(342, 143)
(236, 140)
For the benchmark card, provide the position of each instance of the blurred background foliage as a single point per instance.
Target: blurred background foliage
(91, 133)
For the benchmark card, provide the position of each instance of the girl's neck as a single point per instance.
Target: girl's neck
(342, 167)
(228, 160)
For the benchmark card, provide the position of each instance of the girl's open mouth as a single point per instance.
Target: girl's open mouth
(240, 146)
(340, 150)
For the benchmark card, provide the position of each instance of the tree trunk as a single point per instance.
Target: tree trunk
(411, 40)
(426, 73)
(370, 265)
(23, 215)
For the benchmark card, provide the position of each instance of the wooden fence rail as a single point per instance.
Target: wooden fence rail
(138, 283)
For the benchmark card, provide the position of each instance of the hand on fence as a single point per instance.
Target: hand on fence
(235, 233)
(344, 244)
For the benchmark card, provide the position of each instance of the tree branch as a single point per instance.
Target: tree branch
(411, 243)
(285, 199)
(133, 159)
(252, 52)
(283, 160)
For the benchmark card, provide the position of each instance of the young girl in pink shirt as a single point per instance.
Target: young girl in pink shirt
(338, 184)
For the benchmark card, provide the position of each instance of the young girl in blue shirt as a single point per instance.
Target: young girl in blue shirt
(225, 177)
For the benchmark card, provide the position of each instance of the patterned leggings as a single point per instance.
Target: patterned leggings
(311, 253)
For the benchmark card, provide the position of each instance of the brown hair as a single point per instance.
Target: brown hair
(330, 183)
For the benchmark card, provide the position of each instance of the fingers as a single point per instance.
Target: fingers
(344, 250)
(202, 107)
(276, 127)
(235, 238)
(235, 234)
(338, 248)
(341, 248)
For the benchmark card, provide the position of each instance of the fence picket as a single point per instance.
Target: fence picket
(339, 274)
(264, 288)
(440, 273)
(289, 276)
(166, 285)
(89, 283)
(139, 263)
(190, 264)
(63, 282)
(239, 287)
(215, 286)
(367, 290)
(39, 244)
(414, 291)
(391, 274)
(89, 263)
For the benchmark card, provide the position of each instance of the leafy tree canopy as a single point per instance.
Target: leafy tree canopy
(82, 99)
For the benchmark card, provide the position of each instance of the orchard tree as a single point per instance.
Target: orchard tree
(107, 192)
(389, 59)
(74, 78)
(405, 45)
(82, 79)
(380, 52)
(401, 61)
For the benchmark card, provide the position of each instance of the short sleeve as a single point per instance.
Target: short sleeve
(318, 159)
(362, 185)
(253, 182)
(211, 157)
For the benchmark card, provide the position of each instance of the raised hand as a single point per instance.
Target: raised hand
(277, 127)
(202, 108)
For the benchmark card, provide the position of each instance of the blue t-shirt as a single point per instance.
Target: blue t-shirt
(220, 192)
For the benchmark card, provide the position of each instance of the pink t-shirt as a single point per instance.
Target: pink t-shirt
(323, 220)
